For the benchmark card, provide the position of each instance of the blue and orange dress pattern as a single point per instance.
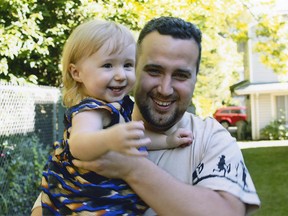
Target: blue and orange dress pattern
(68, 190)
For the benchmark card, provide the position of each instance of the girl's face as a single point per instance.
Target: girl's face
(108, 77)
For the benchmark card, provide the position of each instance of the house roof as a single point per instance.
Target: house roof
(261, 88)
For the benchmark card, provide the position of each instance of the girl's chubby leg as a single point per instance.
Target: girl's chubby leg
(37, 208)
(37, 211)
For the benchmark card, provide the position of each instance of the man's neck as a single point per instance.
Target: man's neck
(137, 116)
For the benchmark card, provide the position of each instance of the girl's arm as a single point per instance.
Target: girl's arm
(180, 138)
(88, 140)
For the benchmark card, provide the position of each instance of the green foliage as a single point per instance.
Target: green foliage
(273, 30)
(22, 161)
(268, 166)
(33, 32)
(276, 130)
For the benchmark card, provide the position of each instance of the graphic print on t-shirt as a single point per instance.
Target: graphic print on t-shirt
(235, 173)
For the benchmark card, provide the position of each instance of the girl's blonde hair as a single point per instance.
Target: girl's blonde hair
(84, 41)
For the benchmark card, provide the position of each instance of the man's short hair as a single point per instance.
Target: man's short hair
(175, 27)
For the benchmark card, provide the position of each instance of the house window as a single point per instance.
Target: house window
(282, 106)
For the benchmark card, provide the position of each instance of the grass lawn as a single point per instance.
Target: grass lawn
(269, 170)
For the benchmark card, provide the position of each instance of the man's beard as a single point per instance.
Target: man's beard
(156, 120)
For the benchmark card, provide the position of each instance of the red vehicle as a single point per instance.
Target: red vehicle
(229, 116)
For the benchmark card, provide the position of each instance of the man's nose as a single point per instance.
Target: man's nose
(165, 87)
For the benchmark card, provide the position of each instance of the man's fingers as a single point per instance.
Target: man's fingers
(88, 165)
(80, 164)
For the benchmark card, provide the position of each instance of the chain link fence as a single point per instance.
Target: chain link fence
(31, 119)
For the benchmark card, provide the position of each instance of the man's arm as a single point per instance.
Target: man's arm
(162, 192)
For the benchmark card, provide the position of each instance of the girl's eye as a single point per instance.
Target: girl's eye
(107, 65)
(128, 65)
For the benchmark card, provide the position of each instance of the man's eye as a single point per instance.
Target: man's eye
(153, 72)
(107, 65)
(181, 76)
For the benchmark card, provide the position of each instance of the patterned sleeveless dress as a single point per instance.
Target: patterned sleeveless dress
(68, 190)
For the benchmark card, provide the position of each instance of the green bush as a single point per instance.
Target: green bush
(276, 130)
(22, 161)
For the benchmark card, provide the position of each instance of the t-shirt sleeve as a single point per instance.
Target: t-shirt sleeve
(222, 166)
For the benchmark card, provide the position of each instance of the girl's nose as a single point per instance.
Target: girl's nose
(120, 74)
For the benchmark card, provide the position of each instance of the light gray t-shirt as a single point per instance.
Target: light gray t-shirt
(214, 160)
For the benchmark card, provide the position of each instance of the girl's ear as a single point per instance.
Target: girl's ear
(74, 72)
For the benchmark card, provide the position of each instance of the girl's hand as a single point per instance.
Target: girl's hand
(128, 137)
(180, 138)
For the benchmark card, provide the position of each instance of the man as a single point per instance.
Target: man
(208, 177)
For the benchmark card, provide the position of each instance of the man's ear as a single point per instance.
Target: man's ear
(74, 72)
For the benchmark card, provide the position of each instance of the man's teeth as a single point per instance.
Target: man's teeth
(160, 103)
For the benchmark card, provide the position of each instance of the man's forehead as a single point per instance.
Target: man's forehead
(155, 43)
(156, 37)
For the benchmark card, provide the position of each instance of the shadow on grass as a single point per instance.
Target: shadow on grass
(268, 167)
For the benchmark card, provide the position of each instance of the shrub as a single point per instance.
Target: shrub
(22, 161)
(276, 130)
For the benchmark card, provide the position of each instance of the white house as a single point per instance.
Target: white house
(266, 93)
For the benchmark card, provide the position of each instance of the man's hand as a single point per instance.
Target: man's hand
(110, 165)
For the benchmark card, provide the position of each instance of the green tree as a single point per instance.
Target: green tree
(32, 34)
(272, 32)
